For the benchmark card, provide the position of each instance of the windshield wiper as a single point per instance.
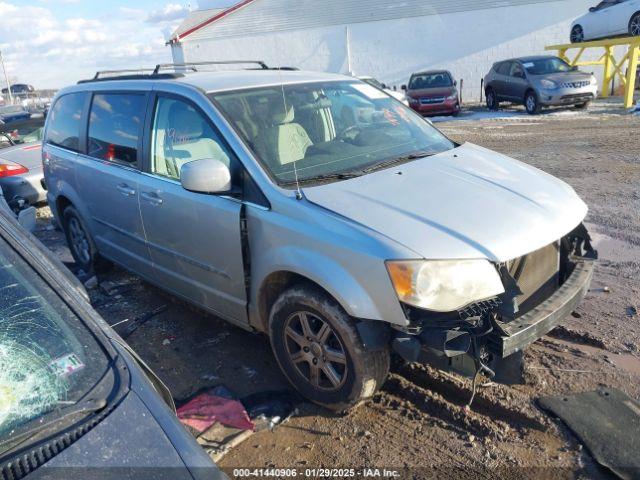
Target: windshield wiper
(395, 161)
(328, 176)
(83, 408)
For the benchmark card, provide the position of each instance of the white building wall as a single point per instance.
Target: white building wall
(467, 43)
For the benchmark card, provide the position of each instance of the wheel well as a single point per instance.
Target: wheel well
(633, 15)
(273, 286)
(576, 26)
(530, 90)
(62, 202)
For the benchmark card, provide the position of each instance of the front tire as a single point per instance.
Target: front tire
(319, 350)
(634, 25)
(582, 106)
(577, 34)
(531, 103)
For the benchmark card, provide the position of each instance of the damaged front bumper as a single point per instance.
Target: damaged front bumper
(514, 336)
(491, 335)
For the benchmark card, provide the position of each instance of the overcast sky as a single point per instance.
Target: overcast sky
(53, 43)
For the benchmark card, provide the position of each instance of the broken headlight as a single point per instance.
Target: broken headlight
(444, 285)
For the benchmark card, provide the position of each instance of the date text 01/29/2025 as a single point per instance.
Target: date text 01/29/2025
(316, 473)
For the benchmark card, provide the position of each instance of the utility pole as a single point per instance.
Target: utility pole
(6, 78)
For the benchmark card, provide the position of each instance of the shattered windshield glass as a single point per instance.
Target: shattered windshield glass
(314, 131)
(48, 359)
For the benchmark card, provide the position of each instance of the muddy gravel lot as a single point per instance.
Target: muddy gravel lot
(418, 423)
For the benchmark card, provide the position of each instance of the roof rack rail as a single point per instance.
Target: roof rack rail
(131, 74)
(192, 65)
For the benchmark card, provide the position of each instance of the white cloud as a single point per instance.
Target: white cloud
(48, 52)
(170, 12)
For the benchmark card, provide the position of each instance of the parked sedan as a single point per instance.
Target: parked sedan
(13, 113)
(393, 93)
(433, 93)
(75, 401)
(607, 19)
(538, 82)
(21, 176)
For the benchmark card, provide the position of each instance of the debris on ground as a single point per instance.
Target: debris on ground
(91, 283)
(207, 408)
(632, 311)
(607, 421)
(133, 324)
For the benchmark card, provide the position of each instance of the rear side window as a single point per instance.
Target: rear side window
(115, 125)
(504, 68)
(64, 121)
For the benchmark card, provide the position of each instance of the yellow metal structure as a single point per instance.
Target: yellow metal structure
(612, 67)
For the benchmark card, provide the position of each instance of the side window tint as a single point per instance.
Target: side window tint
(504, 68)
(64, 121)
(115, 123)
(181, 135)
(516, 70)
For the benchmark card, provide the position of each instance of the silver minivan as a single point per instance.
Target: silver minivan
(344, 234)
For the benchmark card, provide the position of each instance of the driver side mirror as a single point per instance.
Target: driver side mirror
(403, 87)
(206, 176)
(593, 9)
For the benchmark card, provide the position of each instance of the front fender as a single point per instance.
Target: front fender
(375, 301)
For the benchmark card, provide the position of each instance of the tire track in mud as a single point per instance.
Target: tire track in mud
(427, 440)
(423, 392)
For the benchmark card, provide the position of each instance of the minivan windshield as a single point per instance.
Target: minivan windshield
(49, 360)
(320, 132)
(545, 66)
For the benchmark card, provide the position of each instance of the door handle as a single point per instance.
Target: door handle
(126, 190)
(152, 198)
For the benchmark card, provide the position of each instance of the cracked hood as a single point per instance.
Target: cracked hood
(469, 202)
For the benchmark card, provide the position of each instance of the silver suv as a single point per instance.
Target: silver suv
(319, 210)
(538, 82)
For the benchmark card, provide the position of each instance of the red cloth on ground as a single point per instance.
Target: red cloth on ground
(205, 409)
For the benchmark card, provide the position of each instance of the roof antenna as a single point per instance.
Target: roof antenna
(295, 169)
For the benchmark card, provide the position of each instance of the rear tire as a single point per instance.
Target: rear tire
(531, 103)
(577, 34)
(81, 243)
(634, 25)
(492, 99)
(319, 350)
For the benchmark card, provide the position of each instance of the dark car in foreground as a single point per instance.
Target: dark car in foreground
(433, 93)
(75, 401)
(538, 82)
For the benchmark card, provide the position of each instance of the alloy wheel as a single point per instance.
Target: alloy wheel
(531, 103)
(315, 351)
(634, 25)
(491, 99)
(79, 241)
(577, 35)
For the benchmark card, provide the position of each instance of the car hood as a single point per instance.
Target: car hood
(28, 155)
(144, 450)
(431, 92)
(468, 202)
(565, 77)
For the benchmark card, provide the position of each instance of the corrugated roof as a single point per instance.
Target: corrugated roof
(202, 18)
(282, 15)
(196, 18)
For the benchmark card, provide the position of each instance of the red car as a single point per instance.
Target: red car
(433, 93)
